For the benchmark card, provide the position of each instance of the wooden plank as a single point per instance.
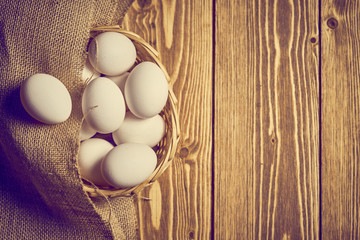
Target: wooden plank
(340, 119)
(266, 150)
(180, 205)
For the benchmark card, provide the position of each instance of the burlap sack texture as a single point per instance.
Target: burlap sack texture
(41, 195)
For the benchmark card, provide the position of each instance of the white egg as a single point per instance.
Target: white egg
(128, 164)
(86, 131)
(137, 130)
(120, 81)
(103, 105)
(45, 98)
(146, 90)
(89, 73)
(91, 154)
(112, 53)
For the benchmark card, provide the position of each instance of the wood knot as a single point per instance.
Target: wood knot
(332, 23)
(273, 138)
(191, 235)
(184, 152)
(313, 40)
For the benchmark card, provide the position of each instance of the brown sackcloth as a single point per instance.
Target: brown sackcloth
(41, 195)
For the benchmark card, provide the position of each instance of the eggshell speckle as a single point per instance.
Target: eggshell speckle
(92, 152)
(128, 164)
(103, 105)
(45, 98)
(146, 90)
(137, 130)
(112, 53)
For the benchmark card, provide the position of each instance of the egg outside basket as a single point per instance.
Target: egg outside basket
(165, 150)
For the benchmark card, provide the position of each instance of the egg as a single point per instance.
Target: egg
(91, 153)
(128, 164)
(103, 105)
(120, 81)
(86, 131)
(112, 53)
(45, 98)
(148, 131)
(89, 73)
(146, 90)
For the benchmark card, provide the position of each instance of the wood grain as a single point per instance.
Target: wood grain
(340, 88)
(180, 205)
(266, 149)
(247, 75)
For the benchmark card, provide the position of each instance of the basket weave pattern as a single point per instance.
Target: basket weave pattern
(165, 150)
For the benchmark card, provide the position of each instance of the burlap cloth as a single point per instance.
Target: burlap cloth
(41, 195)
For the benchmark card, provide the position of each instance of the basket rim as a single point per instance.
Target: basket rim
(94, 191)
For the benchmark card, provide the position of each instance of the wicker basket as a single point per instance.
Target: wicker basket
(165, 150)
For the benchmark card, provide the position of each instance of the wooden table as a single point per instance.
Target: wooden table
(269, 107)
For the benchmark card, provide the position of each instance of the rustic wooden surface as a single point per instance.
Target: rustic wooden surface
(340, 119)
(180, 205)
(266, 120)
(268, 103)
